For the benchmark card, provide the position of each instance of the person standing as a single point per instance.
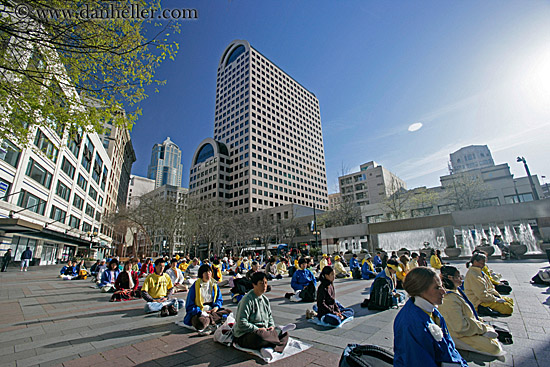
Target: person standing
(26, 257)
(6, 260)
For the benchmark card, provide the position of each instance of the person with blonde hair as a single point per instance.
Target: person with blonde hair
(421, 337)
(469, 332)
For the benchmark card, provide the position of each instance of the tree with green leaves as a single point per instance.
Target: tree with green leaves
(48, 63)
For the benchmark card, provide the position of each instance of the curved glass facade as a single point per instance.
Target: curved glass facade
(234, 54)
(206, 152)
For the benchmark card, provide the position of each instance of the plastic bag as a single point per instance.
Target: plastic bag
(224, 333)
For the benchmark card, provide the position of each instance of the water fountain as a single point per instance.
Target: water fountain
(468, 244)
(412, 240)
(527, 238)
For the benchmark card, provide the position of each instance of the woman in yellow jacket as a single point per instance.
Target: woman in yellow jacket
(435, 261)
(481, 291)
(468, 331)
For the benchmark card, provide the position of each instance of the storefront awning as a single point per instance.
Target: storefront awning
(21, 227)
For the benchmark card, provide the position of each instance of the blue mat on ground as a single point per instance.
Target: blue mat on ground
(316, 321)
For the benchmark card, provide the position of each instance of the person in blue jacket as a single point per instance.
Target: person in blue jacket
(367, 270)
(421, 337)
(377, 261)
(204, 303)
(303, 282)
(353, 263)
(109, 275)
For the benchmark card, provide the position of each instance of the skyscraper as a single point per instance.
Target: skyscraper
(267, 148)
(165, 167)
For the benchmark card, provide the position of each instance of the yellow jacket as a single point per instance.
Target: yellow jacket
(435, 262)
(339, 268)
(323, 263)
(464, 327)
(281, 268)
(478, 287)
(183, 266)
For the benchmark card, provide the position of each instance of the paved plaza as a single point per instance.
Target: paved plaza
(47, 321)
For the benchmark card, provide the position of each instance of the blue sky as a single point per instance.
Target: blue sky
(472, 72)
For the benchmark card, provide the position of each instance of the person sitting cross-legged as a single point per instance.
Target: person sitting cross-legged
(481, 291)
(367, 269)
(126, 284)
(254, 325)
(303, 282)
(339, 269)
(468, 330)
(176, 276)
(329, 310)
(157, 290)
(204, 303)
(108, 277)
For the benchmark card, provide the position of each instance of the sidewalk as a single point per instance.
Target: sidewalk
(47, 321)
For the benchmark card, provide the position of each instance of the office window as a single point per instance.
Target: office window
(74, 222)
(87, 155)
(68, 168)
(31, 202)
(9, 153)
(93, 193)
(86, 227)
(58, 214)
(90, 210)
(46, 146)
(78, 202)
(82, 182)
(62, 191)
(39, 174)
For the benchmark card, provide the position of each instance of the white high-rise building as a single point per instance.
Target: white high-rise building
(271, 126)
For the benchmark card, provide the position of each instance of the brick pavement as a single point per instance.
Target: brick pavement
(47, 321)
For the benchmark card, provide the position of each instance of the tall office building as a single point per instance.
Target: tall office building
(165, 167)
(267, 138)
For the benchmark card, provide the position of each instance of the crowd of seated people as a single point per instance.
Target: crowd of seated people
(440, 300)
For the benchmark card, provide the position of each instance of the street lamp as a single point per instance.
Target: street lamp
(533, 188)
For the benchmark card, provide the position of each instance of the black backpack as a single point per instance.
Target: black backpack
(381, 294)
(308, 294)
(356, 273)
(365, 356)
(542, 277)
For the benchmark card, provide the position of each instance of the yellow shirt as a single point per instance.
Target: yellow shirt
(413, 264)
(323, 263)
(281, 268)
(157, 285)
(435, 262)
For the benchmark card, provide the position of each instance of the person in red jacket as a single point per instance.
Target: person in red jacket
(147, 268)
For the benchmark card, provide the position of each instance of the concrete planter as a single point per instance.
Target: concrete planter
(518, 250)
(453, 251)
(490, 250)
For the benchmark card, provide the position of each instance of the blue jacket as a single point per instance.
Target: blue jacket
(191, 309)
(353, 263)
(70, 270)
(366, 273)
(26, 255)
(414, 345)
(106, 277)
(377, 261)
(301, 278)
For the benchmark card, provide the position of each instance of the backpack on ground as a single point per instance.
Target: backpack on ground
(542, 277)
(381, 294)
(356, 273)
(365, 356)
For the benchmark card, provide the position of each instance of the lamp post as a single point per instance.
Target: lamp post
(516, 190)
(315, 231)
(533, 188)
